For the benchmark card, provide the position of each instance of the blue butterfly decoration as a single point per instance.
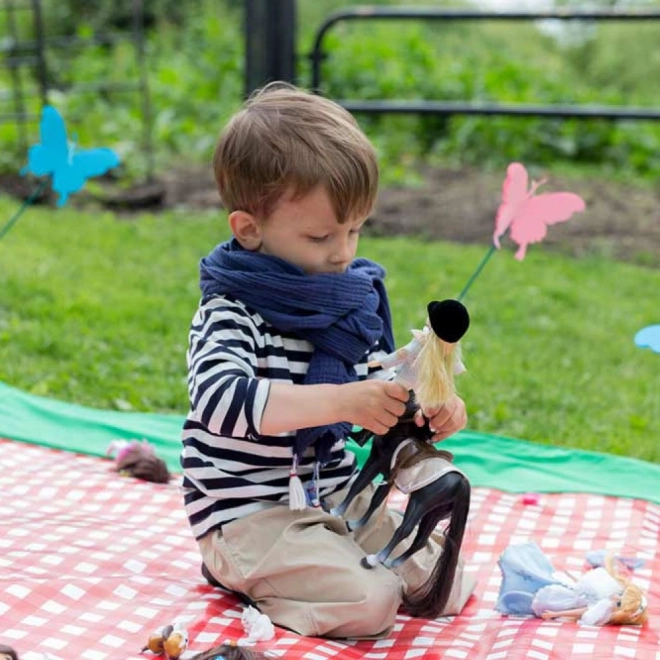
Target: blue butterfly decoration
(70, 167)
(649, 337)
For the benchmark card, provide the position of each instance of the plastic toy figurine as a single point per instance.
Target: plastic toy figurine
(428, 363)
(600, 597)
(171, 640)
(437, 490)
(257, 626)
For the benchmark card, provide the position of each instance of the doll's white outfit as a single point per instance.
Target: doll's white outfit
(405, 357)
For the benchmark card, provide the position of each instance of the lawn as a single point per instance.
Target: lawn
(94, 309)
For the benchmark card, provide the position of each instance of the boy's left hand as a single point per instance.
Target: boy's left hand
(446, 420)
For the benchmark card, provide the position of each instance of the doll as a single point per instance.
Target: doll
(407, 459)
(427, 364)
(138, 459)
(600, 597)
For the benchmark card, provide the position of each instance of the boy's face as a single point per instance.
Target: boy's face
(305, 232)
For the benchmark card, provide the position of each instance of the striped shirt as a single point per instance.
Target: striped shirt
(230, 469)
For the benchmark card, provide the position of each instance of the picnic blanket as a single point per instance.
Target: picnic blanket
(91, 562)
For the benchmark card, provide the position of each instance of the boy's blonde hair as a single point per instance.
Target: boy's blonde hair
(286, 139)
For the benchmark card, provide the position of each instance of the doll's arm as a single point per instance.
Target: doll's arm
(391, 360)
(565, 614)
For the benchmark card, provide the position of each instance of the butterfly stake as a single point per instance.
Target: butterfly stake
(649, 337)
(526, 215)
(57, 157)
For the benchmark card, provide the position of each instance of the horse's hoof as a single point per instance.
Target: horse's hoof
(370, 561)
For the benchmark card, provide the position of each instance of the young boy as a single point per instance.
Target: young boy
(278, 373)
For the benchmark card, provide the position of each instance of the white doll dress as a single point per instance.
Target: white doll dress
(594, 590)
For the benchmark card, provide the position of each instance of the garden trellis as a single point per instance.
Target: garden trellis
(31, 56)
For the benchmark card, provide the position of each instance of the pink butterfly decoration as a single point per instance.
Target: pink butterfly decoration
(527, 215)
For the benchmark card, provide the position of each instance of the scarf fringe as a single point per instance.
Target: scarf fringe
(297, 496)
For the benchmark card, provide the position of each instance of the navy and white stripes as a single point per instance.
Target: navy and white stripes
(230, 469)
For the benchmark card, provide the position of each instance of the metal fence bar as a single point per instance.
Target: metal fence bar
(16, 78)
(317, 56)
(521, 110)
(143, 85)
(42, 71)
(83, 88)
(62, 42)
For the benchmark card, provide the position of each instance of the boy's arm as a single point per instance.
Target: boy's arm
(371, 404)
(227, 397)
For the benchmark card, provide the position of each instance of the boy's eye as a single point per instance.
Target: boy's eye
(319, 239)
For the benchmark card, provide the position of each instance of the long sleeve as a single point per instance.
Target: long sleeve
(225, 394)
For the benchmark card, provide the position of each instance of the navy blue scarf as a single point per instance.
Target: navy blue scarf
(342, 314)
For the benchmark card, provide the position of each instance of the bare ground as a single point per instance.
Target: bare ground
(454, 205)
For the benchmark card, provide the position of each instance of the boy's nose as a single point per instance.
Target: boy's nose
(343, 254)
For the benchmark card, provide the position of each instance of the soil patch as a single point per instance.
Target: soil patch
(450, 205)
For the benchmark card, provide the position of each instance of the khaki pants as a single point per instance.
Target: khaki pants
(302, 568)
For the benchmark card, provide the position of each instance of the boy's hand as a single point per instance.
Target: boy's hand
(375, 405)
(446, 420)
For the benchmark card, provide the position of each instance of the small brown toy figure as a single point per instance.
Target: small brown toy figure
(172, 640)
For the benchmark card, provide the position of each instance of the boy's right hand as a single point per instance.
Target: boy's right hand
(375, 405)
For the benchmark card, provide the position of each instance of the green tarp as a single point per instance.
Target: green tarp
(491, 461)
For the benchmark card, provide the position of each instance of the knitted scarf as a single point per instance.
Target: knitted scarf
(341, 314)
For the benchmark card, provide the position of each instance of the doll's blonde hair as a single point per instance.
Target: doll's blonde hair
(631, 608)
(435, 367)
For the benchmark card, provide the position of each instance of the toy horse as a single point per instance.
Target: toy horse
(437, 491)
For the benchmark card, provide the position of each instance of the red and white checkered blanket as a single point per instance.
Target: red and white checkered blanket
(92, 562)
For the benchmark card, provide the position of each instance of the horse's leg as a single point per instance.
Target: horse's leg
(367, 474)
(426, 526)
(376, 500)
(411, 517)
(451, 495)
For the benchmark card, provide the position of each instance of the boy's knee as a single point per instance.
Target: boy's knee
(369, 609)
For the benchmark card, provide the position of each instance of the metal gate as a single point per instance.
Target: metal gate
(370, 13)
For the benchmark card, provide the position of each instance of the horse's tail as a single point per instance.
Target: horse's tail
(453, 498)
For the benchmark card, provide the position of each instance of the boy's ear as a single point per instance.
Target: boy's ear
(246, 228)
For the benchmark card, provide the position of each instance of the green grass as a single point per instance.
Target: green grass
(95, 310)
